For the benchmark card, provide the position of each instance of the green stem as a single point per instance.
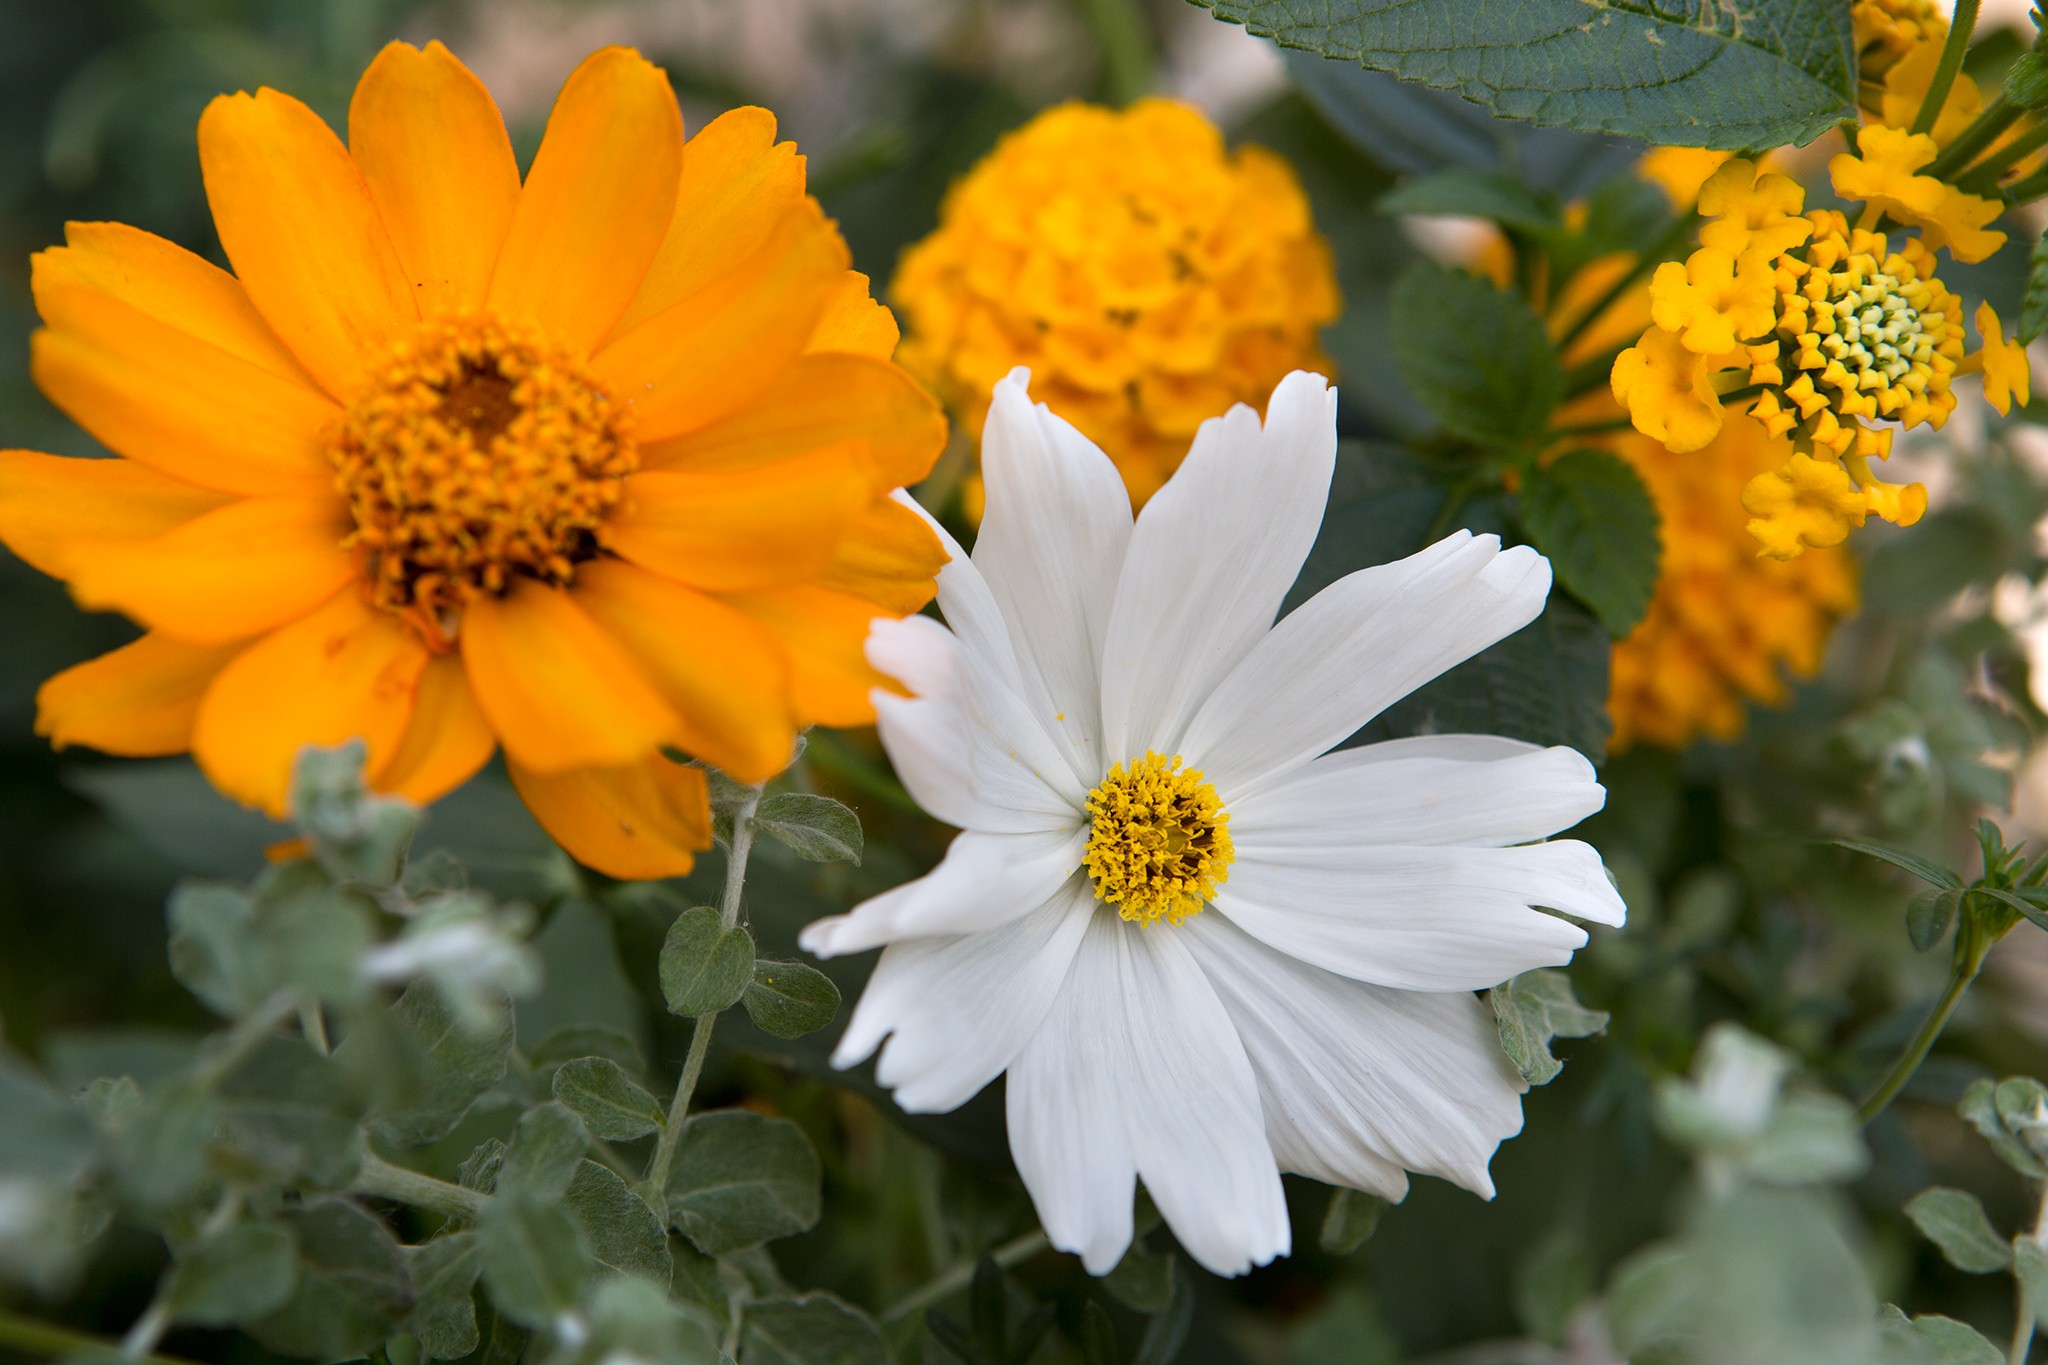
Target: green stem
(1126, 46)
(1984, 175)
(248, 1033)
(1653, 256)
(952, 1281)
(380, 1178)
(47, 1339)
(1971, 946)
(1953, 51)
(700, 1030)
(2024, 1318)
(1992, 120)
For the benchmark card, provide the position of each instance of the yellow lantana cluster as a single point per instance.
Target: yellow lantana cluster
(1148, 276)
(1688, 666)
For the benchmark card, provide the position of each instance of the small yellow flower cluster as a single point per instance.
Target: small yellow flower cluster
(1688, 666)
(1825, 327)
(1889, 32)
(1148, 277)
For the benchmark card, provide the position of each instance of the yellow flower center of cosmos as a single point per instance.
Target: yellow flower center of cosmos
(1158, 842)
(479, 453)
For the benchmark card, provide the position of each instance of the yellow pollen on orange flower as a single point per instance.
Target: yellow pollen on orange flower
(1159, 842)
(479, 453)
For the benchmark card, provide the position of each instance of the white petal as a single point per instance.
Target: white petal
(1051, 547)
(984, 882)
(1364, 795)
(1213, 554)
(1357, 1081)
(1137, 1070)
(965, 746)
(1421, 919)
(1354, 648)
(956, 1011)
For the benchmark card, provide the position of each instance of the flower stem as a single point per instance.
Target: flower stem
(1971, 946)
(1953, 51)
(1984, 175)
(1126, 46)
(1653, 256)
(953, 1280)
(36, 1337)
(1992, 120)
(378, 1177)
(2024, 1317)
(741, 849)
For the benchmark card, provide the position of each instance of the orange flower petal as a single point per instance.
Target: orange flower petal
(738, 182)
(753, 529)
(48, 503)
(347, 671)
(825, 635)
(638, 823)
(162, 396)
(433, 150)
(725, 676)
(234, 572)
(854, 323)
(889, 557)
(162, 280)
(719, 350)
(559, 691)
(820, 400)
(138, 702)
(297, 221)
(597, 202)
(447, 741)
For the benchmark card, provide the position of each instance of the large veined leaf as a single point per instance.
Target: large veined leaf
(1726, 73)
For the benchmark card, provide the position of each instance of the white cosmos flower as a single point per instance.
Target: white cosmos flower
(1205, 948)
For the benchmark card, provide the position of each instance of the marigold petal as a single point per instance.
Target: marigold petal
(445, 743)
(737, 186)
(597, 201)
(167, 399)
(854, 323)
(724, 674)
(434, 152)
(234, 572)
(721, 349)
(346, 671)
(49, 503)
(560, 692)
(889, 557)
(821, 400)
(728, 531)
(138, 701)
(824, 634)
(640, 822)
(298, 223)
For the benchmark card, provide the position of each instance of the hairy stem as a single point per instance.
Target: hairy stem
(952, 1281)
(1952, 53)
(1971, 946)
(35, 1337)
(378, 1177)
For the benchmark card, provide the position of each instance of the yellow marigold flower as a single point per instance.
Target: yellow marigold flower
(1882, 173)
(1147, 276)
(1664, 385)
(1724, 626)
(2008, 377)
(587, 467)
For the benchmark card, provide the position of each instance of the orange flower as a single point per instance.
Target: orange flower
(591, 467)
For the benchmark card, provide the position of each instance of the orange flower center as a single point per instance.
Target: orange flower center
(478, 454)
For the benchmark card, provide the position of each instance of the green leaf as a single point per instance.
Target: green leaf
(1142, 1280)
(815, 828)
(2030, 1265)
(542, 1157)
(622, 1233)
(1928, 916)
(1810, 1140)
(213, 948)
(590, 1040)
(1534, 1008)
(1756, 75)
(631, 1320)
(160, 1158)
(1351, 1218)
(444, 1273)
(293, 1112)
(1940, 1341)
(1168, 1331)
(815, 1329)
(353, 1290)
(356, 835)
(1098, 1337)
(244, 1272)
(534, 1260)
(1475, 354)
(741, 1179)
(705, 967)
(1920, 867)
(1591, 515)
(611, 1106)
(313, 933)
(2034, 306)
(1999, 1110)
(1474, 193)
(1955, 1221)
(457, 1067)
(789, 999)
